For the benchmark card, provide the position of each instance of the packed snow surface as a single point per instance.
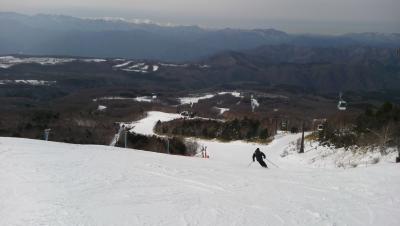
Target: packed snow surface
(319, 156)
(145, 126)
(48, 183)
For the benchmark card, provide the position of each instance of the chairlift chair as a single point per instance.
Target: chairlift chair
(342, 105)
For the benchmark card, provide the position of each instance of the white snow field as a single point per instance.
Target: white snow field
(48, 183)
(145, 126)
(197, 98)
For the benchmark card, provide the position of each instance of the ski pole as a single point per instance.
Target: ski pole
(249, 164)
(272, 163)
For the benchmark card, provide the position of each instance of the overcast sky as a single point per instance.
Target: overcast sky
(304, 16)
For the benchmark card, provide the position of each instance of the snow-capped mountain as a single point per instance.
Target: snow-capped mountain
(144, 39)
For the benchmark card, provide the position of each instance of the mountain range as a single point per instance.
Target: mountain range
(112, 38)
(320, 70)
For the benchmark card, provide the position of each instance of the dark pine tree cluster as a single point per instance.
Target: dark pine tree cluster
(375, 127)
(244, 129)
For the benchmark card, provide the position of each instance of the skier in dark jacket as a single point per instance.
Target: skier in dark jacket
(259, 156)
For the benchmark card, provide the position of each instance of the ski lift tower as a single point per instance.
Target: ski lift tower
(276, 119)
(302, 139)
(398, 150)
(126, 131)
(167, 140)
(46, 134)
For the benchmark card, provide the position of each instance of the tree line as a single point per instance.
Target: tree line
(237, 129)
(375, 127)
(174, 145)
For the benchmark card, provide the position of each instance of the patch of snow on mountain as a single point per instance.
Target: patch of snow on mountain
(139, 99)
(204, 66)
(122, 64)
(146, 99)
(155, 68)
(94, 60)
(101, 108)
(9, 61)
(28, 82)
(138, 67)
(134, 70)
(193, 100)
(196, 99)
(222, 110)
(174, 65)
(114, 98)
(234, 93)
(133, 21)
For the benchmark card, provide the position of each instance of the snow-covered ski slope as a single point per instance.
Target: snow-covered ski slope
(48, 183)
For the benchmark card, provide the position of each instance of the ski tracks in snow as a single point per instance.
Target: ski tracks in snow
(47, 183)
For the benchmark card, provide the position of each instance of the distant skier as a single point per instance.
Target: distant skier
(259, 156)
